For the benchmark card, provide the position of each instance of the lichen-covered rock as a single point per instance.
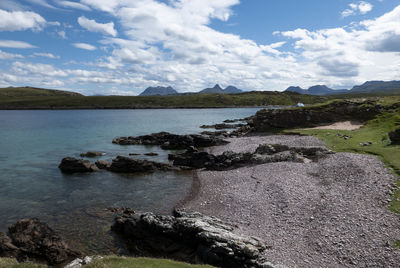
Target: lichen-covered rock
(190, 237)
(122, 164)
(31, 239)
(73, 165)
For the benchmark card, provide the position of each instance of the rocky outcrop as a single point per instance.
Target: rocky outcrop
(73, 165)
(266, 153)
(395, 136)
(336, 111)
(92, 154)
(223, 126)
(31, 239)
(102, 164)
(122, 164)
(190, 237)
(170, 141)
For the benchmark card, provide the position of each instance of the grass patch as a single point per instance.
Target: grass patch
(375, 131)
(125, 262)
(397, 244)
(12, 263)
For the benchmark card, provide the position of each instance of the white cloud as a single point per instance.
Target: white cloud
(46, 55)
(361, 7)
(27, 68)
(75, 5)
(8, 56)
(62, 34)
(20, 20)
(42, 3)
(15, 44)
(84, 46)
(93, 26)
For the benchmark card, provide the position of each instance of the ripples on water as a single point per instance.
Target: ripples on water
(32, 144)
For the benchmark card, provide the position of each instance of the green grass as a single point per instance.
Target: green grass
(28, 98)
(12, 263)
(397, 244)
(125, 262)
(375, 131)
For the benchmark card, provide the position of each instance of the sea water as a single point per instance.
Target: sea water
(32, 144)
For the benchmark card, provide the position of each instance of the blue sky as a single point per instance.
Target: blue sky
(124, 46)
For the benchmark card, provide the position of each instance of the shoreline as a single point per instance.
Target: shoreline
(314, 214)
(136, 108)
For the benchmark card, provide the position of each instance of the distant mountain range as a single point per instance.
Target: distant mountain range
(164, 91)
(367, 87)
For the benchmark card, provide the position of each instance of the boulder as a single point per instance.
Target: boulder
(73, 165)
(122, 164)
(92, 154)
(31, 239)
(395, 136)
(102, 164)
(190, 237)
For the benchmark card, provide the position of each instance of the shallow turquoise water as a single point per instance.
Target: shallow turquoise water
(32, 144)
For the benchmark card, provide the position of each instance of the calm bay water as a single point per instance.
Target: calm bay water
(32, 144)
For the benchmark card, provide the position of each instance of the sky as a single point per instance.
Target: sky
(120, 47)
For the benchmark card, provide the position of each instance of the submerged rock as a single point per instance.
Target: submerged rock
(122, 164)
(92, 154)
(170, 141)
(73, 165)
(190, 237)
(31, 239)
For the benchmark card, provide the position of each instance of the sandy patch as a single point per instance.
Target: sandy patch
(346, 125)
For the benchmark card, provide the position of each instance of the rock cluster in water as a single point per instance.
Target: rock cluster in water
(169, 141)
(31, 239)
(190, 237)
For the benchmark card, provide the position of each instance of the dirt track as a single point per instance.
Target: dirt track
(330, 213)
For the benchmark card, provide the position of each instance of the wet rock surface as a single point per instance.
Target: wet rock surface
(33, 240)
(190, 237)
(170, 141)
(73, 165)
(92, 154)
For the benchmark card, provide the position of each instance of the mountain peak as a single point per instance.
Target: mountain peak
(163, 91)
(217, 87)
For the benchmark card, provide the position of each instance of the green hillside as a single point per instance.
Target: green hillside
(17, 92)
(30, 98)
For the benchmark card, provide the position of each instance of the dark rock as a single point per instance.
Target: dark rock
(73, 165)
(170, 141)
(7, 249)
(215, 133)
(223, 126)
(395, 136)
(92, 154)
(190, 237)
(134, 154)
(151, 154)
(192, 159)
(102, 164)
(123, 164)
(30, 239)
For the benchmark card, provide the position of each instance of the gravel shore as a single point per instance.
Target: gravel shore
(330, 213)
